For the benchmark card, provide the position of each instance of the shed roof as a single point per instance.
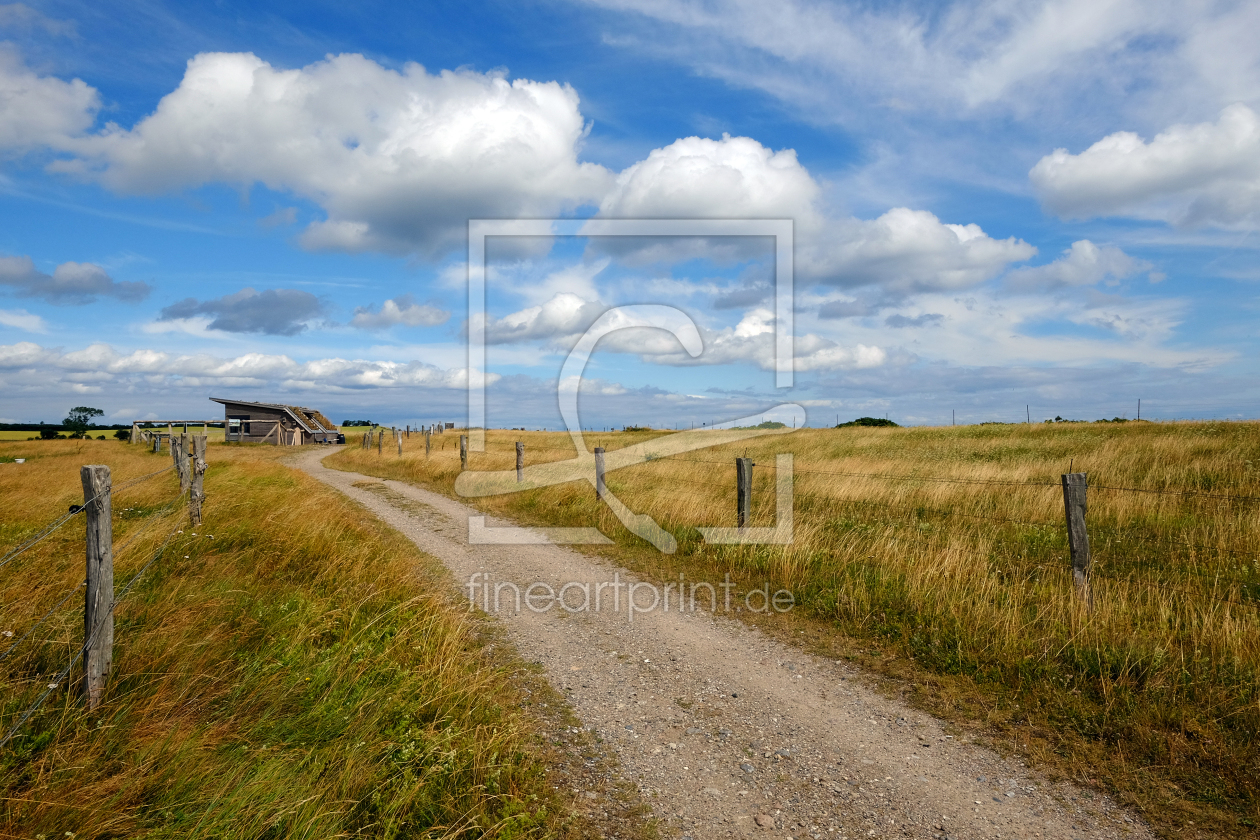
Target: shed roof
(307, 422)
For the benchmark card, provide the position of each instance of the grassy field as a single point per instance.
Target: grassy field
(291, 669)
(937, 557)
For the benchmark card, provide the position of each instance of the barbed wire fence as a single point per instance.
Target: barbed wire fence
(100, 557)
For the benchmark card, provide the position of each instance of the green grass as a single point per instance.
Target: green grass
(300, 673)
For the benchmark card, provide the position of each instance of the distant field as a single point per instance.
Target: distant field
(938, 557)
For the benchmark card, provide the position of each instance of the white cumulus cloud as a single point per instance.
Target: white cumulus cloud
(565, 314)
(40, 110)
(400, 311)
(731, 178)
(1083, 264)
(1208, 173)
(398, 159)
(902, 251)
(908, 251)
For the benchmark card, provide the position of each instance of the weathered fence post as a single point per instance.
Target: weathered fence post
(399, 436)
(743, 490)
(599, 473)
(1074, 505)
(179, 454)
(198, 493)
(157, 442)
(98, 613)
(428, 441)
(135, 433)
(463, 452)
(520, 462)
(380, 441)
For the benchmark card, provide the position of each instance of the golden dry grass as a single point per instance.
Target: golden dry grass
(944, 550)
(292, 669)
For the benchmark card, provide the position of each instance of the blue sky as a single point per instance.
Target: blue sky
(995, 205)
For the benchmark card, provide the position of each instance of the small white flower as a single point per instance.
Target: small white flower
(8, 634)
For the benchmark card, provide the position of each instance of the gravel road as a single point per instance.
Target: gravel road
(725, 732)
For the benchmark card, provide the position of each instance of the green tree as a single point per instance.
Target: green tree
(80, 418)
(870, 421)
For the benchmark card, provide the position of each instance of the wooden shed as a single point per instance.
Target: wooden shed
(282, 425)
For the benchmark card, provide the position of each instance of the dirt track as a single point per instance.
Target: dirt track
(726, 732)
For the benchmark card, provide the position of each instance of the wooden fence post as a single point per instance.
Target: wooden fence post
(520, 462)
(98, 613)
(179, 454)
(1074, 505)
(599, 473)
(157, 442)
(135, 433)
(743, 490)
(399, 436)
(463, 453)
(428, 441)
(380, 441)
(198, 494)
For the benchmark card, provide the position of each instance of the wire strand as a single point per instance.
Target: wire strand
(65, 517)
(65, 672)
